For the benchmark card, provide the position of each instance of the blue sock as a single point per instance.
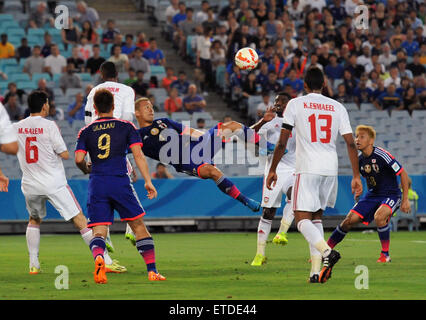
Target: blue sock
(146, 249)
(97, 246)
(228, 187)
(336, 237)
(384, 236)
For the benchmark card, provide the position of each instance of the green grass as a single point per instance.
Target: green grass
(216, 266)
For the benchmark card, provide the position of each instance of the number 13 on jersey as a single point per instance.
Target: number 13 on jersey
(325, 119)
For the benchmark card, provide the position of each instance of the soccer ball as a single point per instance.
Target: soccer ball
(246, 59)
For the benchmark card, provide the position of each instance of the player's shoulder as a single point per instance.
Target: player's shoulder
(383, 154)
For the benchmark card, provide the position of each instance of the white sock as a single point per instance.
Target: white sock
(313, 236)
(287, 219)
(87, 235)
(108, 239)
(107, 258)
(33, 243)
(316, 258)
(263, 231)
(318, 224)
(129, 230)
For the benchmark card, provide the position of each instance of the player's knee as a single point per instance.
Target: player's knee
(346, 225)
(269, 213)
(380, 219)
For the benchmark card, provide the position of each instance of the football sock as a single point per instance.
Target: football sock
(97, 246)
(287, 219)
(129, 230)
(33, 244)
(316, 258)
(146, 249)
(263, 231)
(384, 235)
(87, 235)
(313, 236)
(228, 187)
(336, 237)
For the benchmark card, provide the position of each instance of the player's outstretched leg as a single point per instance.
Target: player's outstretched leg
(263, 231)
(343, 228)
(381, 217)
(33, 243)
(209, 171)
(145, 246)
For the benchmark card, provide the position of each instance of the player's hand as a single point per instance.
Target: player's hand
(271, 180)
(134, 176)
(356, 186)
(4, 183)
(406, 206)
(269, 114)
(152, 192)
(88, 167)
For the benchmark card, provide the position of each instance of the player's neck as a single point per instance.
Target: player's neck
(367, 151)
(39, 114)
(144, 123)
(106, 115)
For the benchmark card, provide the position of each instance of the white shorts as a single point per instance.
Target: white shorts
(312, 192)
(63, 200)
(272, 198)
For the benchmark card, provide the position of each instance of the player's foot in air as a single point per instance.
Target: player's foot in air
(258, 260)
(253, 205)
(34, 270)
(314, 279)
(115, 267)
(328, 262)
(108, 244)
(100, 273)
(280, 238)
(131, 238)
(152, 276)
(384, 258)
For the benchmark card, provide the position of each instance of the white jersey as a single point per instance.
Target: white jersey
(40, 143)
(272, 131)
(317, 121)
(124, 101)
(7, 132)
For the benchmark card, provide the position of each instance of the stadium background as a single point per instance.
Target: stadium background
(228, 93)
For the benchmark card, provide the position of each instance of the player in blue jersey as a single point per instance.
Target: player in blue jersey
(380, 170)
(107, 140)
(189, 150)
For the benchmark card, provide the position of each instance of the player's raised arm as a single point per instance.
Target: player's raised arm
(268, 116)
(142, 165)
(405, 203)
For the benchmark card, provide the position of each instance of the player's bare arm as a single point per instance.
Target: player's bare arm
(278, 154)
(4, 182)
(268, 116)
(142, 165)
(405, 204)
(9, 148)
(356, 183)
(64, 155)
(81, 162)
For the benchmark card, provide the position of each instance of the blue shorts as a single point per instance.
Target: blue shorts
(367, 206)
(202, 152)
(109, 193)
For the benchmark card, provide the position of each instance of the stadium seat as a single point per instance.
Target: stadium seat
(15, 77)
(412, 219)
(201, 115)
(6, 17)
(181, 116)
(12, 6)
(10, 69)
(36, 32)
(26, 85)
(37, 76)
(157, 70)
(85, 77)
(161, 115)
(72, 92)
(16, 32)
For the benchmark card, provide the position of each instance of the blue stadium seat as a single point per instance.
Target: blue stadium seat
(37, 76)
(85, 76)
(155, 70)
(3, 84)
(12, 6)
(6, 17)
(36, 32)
(26, 85)
(15, 32)
(16, 77)
(7, 24)
(10, 69)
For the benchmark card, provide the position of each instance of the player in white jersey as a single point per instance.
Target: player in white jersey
(41, 150)
(8, 143)
(124, 108)
(317, 121)
(270, 127)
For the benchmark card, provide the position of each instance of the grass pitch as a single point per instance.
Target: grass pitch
(212, 266)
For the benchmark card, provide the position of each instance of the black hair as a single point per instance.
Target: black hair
(314, 78)
(103, 101)
(36, 100)
(108, 70)
(282, 93)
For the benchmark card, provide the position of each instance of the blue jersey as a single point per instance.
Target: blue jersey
(380, 170)
(107, 141)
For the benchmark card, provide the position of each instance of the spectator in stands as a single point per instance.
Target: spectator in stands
(128, 47)
(389, 100)
(226, 118)
(203, 59)
(154, 55)
(39, 17)
(193, 102)
(403, 72)
(71, 35)
(141, 41)
(94, 63)
(14, 109)
(185, 28)
(131, 78)
(3, 75)
(120, 60)
(7, 50)
(181, 84)
(179, 16)
(349, 81)
(410, 100)
(69, 79)
(75, 110)
(362, 94)
(139, 86)
(202, 15)
(272, 85)
(173, 103)
(110, 32)
(42, 86)
(353, 67)
(161, 172)
(55, 63)
(14, 91)
(153, 82)
(24, 51)
(168, 79)
(393, 77)
(263, 106)
(201, 124)
(35, 63)
(387, 58)
(170, 12)
(89, 33)
(410, 45)
(416, 68)
(86, 13)
(85, 49)
(55, 114)
(334, 70)
(379, 90)
(341, 94)
(294, 81)
(76, 60)
(153, 101)
(138, 62)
